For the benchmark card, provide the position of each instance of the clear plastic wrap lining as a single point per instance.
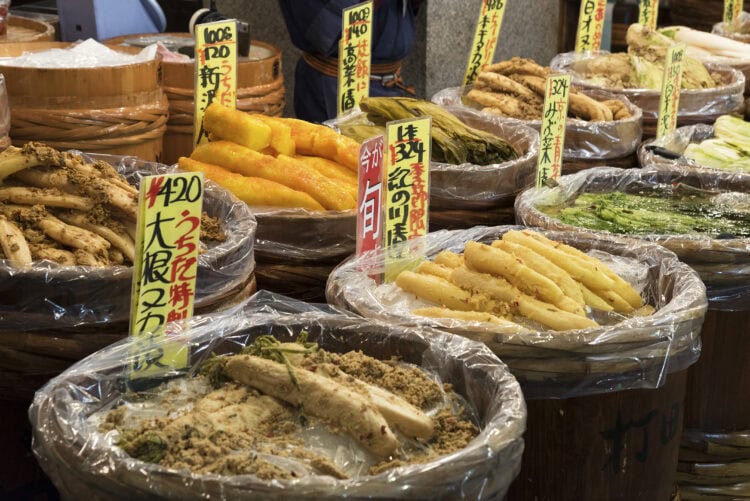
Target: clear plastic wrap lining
(48, 296)
(286, 235)
(743, 35)
(4, 115)
(583, 140)
(469, 186)
(83, 465)
(723, 264)
(695, 104)
(622, 353)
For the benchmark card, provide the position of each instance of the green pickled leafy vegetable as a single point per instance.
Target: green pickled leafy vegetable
(730, 149)
(671, 213)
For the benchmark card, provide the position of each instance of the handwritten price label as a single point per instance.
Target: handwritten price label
(407, 190)
(552, 134)
(354, 56)
(485, 38)
(590, 25)
(648, 13)
(165, 268)
(669, 102)
(732, 11)
(215, 70)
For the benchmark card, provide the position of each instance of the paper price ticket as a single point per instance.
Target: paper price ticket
(370, 196)
(552, 133)
(590, 25)
(215, 70)
(669, 102)
(165, 268)
(485, 38)
(732, 11)
(648, 13)
(354, 56)
(407, 190)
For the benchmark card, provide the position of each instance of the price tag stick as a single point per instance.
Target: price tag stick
(590, 25)
(485, 38)
(215, 70)
(648, 13)
(669, 102)
(354, 56)
(407, 191)
(164, 271)
(552, 133)
(732, 11)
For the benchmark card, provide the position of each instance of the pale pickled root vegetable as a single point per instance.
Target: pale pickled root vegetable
(281, 136)
(72, 236)
(59, 256)
(319, 396)
(507, 105)
(470, 316)
(432, 268)
(85, 258)
(501, 83)
(51, 197)
(13, 243)
(589, 109)
(595, 301)
(13, 160)
(118, 239)
(449, 259)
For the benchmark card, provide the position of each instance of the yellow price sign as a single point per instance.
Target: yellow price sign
(590, 25)
(407, 190)
(166, 264)
(648, 13)
(485, 38)
(354, 56)
(552, 133)
(732, 11)
(669, 102)
(215, 70)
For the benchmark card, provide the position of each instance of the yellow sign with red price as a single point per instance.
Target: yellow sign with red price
(354, 56)
(669, 102)
(485, 38)
(165, 268)
(215, 70)
(407, 189)
(552, 133)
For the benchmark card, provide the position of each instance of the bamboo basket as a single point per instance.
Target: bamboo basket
(260, 89)
(118, 110)
(23, 29)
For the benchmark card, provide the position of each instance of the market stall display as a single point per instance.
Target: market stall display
(717, 245)
(71, 297)
(260, 85)
(480, 456)
(601, 127)
(299, 179)
(85, 97)
(479, 163)
(740, 33)
(723, 147)
(708, 90)
(576, 380)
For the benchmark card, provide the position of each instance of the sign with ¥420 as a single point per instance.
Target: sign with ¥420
(165, 269)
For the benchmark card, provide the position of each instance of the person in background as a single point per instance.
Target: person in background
(315, 28)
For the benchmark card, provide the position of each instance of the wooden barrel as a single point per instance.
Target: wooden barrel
(613, 446)
(260, 89)
(23, 29)
(119, 109)
(715, 454)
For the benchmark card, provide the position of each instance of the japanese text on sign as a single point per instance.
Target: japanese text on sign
(590, 25)
(215, 70)
(552, 134)
(165, 268)
(370, 196)
(485, 38)
(648, 13)
(669, 102)
(407, 189)
(354, 56)
(732, 11)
